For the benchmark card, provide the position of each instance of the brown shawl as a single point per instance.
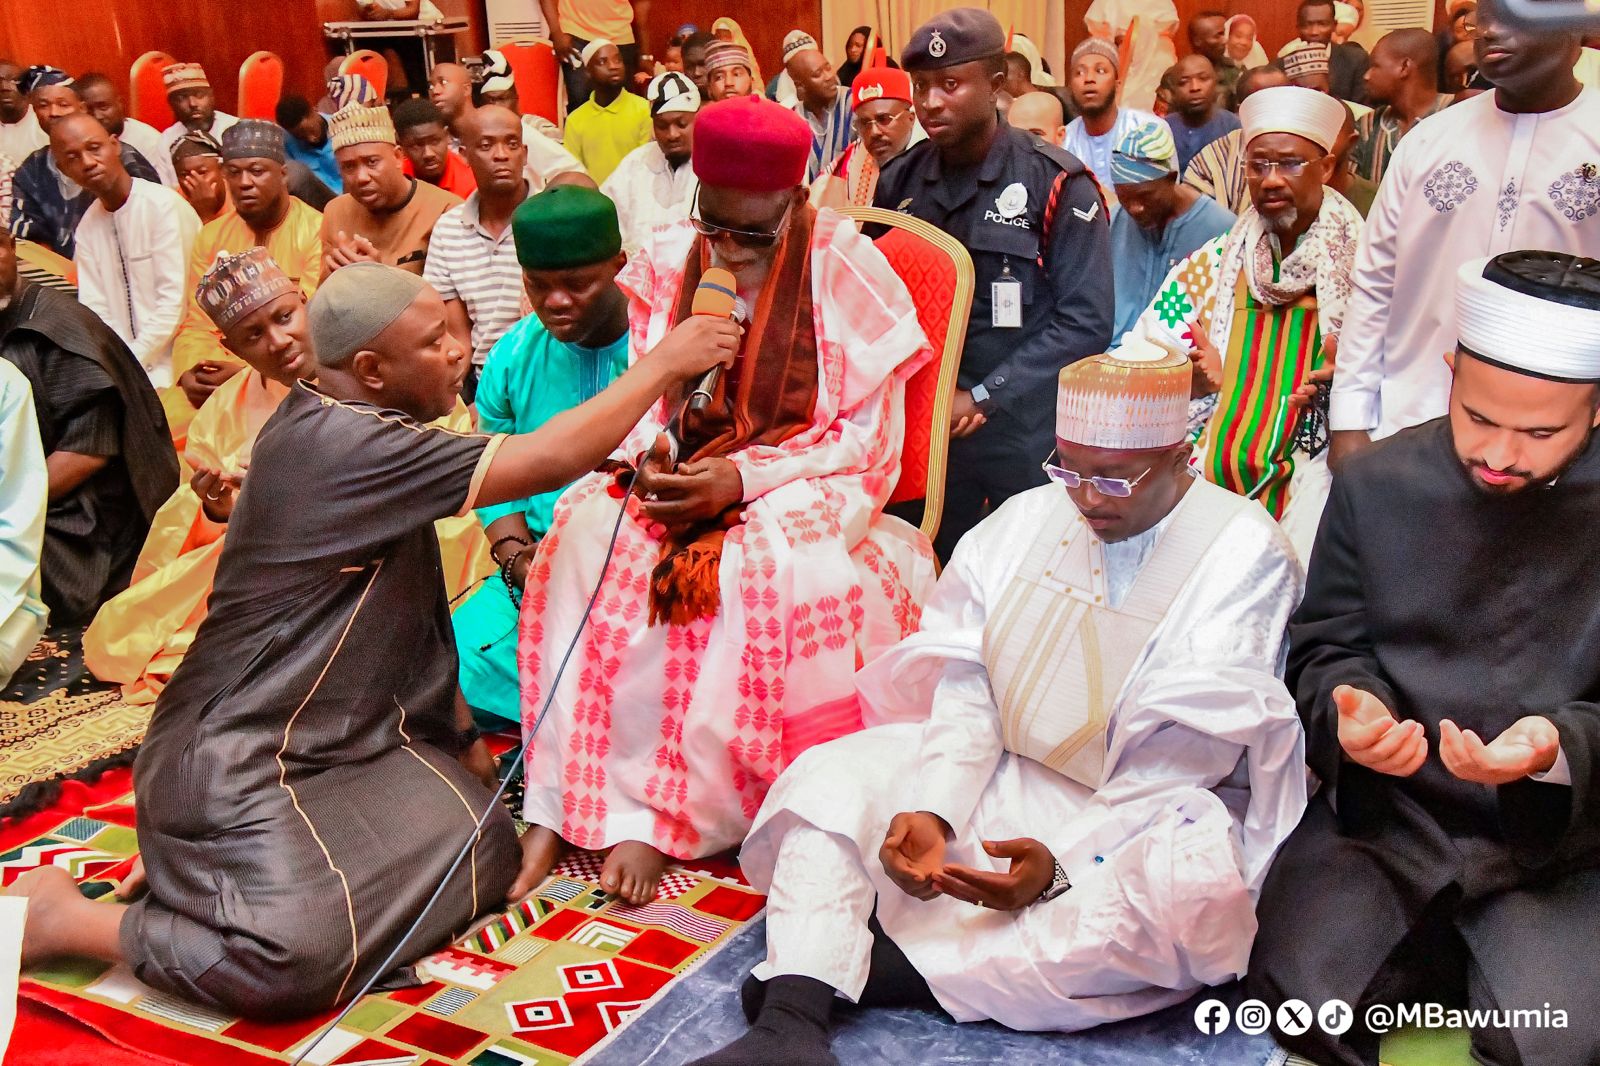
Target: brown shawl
(766, 397)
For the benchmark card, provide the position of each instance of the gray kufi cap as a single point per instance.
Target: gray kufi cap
(354, 305)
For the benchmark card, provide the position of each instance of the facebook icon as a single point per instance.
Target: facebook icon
(1211, 1017)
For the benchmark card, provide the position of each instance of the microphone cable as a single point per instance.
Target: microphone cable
(517, 767)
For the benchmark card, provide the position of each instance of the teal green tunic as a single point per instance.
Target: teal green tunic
(528, 378)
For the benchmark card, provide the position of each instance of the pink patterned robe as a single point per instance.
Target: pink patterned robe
(671, 735)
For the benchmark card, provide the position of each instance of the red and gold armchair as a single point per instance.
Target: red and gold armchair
(938, 272)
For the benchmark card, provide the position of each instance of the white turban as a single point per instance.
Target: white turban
(1533, 312)
(1306, 113)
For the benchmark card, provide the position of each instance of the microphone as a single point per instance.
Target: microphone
(718, 296)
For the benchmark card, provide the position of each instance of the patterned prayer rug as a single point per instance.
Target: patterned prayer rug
(541, 983)
(57, 722)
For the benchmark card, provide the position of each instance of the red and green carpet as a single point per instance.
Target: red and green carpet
(545, 982)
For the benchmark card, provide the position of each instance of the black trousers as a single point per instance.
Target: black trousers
(891, 979)
(985, 470)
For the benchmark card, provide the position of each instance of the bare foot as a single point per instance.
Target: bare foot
(541, 848)
(52, 895)
(633, 872)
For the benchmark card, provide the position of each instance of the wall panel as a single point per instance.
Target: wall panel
(107, 35)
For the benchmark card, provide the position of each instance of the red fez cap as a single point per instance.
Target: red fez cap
(880, 83)
(750, 143)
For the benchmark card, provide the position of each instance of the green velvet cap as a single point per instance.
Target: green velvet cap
(566, 226)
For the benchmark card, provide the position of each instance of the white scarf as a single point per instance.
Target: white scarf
(1323, 261)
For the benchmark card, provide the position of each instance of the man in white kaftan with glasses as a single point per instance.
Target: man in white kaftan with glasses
(1079, 768)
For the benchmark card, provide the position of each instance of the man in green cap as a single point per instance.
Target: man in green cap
(300, 796)
(573, 345)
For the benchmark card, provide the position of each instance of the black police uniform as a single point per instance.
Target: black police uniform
(1030, 212)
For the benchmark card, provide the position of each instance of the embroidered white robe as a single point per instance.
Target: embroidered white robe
(1204, 778)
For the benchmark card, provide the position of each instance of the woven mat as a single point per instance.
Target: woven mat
(544, 982)
(57, 722)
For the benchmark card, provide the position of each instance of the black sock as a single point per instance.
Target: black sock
(752, 994)
(790, 1030)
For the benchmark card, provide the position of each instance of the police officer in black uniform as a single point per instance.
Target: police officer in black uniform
(1035, 223)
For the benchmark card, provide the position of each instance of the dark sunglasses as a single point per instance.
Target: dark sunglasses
(745, 237)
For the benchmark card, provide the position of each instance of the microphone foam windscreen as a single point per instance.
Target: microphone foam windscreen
(716, 294)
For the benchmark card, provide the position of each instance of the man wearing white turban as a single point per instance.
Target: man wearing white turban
(1446, 660)
(1079, 768)
(1261, 308)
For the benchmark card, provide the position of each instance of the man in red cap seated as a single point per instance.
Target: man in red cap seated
(754, 570)
(885, 126)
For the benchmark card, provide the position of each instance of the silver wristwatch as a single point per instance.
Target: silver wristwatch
(1057, 887)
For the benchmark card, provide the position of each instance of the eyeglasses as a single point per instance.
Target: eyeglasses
(864, 123)
(1289, 168)
(748, 238)
(1121, 488)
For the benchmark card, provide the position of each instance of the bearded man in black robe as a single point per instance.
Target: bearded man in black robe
(1446, 660)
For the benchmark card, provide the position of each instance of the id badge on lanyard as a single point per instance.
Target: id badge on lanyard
(1005, 300)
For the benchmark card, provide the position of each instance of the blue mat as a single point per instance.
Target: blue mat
(701, 1013)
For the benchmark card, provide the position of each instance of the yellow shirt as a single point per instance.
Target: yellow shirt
(139, 637)
(296, 246)
(593, 20)
(600, 136)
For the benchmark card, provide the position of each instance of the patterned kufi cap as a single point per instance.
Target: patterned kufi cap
(1097, 46)
(238, 284)
(347, 89)
(254, 138)
(1145, 153)
(180, 76)
(360, 124)
(1306, 113)
(1136, 396)
(1306, 62)
(721, 54)
(1499, 299)
(797, 41)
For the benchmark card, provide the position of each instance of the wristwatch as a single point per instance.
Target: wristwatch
(979, 394)
(1057, 887)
